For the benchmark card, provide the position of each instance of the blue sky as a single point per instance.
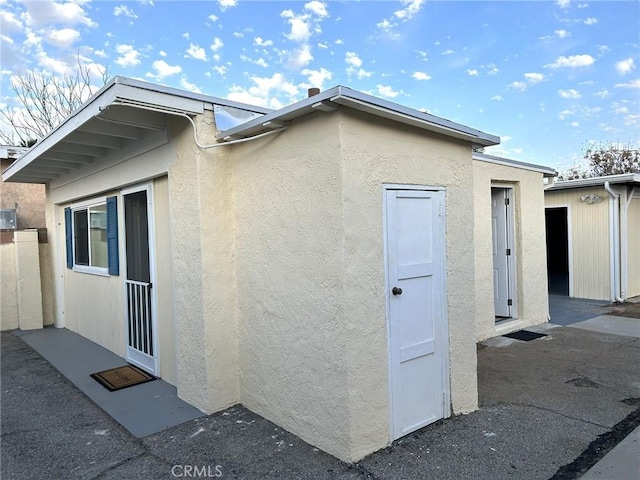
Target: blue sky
(547, 77)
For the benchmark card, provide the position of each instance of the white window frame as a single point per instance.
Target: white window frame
(86, 205)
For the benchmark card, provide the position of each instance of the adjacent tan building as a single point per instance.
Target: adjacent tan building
(322, 264)
(593, 237)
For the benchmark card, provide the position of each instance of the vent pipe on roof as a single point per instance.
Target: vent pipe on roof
(313, 91)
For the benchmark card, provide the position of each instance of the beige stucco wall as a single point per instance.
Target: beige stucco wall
(589, 243)
(8, 287)
(309, 255)
(530, 248)
(27, 199)
(633, 216)
(204, 283)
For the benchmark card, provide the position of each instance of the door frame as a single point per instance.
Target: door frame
(569, 240)
(148, 188)
(512, 259)
(445, 330)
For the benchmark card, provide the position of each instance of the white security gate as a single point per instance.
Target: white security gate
(140, 301)
(418, 338)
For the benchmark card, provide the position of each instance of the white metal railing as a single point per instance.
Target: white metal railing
(139, 316)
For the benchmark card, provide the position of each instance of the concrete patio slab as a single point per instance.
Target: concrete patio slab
(612, 324)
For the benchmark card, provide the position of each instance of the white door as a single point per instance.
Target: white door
(500, 200)
(418, 338)
(140, 302)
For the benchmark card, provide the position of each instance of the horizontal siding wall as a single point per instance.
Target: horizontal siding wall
(589, 231)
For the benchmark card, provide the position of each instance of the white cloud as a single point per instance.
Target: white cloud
(192, 87)
(421, 76)
(300, 27)
(491, 69)
(196, 52)
(353, 60)
(162, 53)
(44, 13)
(63, 38)
(322, 45)
(238, 34)
(261, 62)
(603, 93)
(317, 7)
(224, 4)
(448, 52)
(163, 69)
(534, 78)
(339, 41)
(575, 124)
(571, 93)
(564, 114)
(591, 21)
(128, 56)
(123, 10)
(262, 43)
(317, 78)
(9, 23)
(621, 110)
(220, 70)
(563, 3)
(632, 84)
(216, 45)
(266, 91)
(212, 17)
(387, 91)
(625, 66)
(497, 98)
(413, 7)
(300, 57)
(100, 53)
(572, 61)
(472, 72)
(521, 86)
(562, 33)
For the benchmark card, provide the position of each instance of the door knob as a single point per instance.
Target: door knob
(396, 291)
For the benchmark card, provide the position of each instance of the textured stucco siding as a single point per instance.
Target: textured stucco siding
(589, 231)
(27, 199)
(310, 269)
(529, 247)
(377, 153)
(164, 281)
(633, 248)
(8, 287)
(204, 283)
(289, 248)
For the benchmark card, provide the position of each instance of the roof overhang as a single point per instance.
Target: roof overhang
(330, 100)
(630, 179)
(545, 171)
(122, 112)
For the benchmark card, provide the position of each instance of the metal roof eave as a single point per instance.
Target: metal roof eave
(625, 178)
(332, 98)
(117, 89)
(546, 171)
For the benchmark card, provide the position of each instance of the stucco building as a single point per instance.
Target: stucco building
(325, 264)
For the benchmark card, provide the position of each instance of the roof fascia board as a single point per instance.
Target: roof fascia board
(546, 171)
(633, 178)
(175, 92)
(364, 102)
(401, 110)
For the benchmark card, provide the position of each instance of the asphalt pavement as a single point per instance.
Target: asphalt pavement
(549, 408)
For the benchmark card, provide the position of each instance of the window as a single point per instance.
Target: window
(92, 236)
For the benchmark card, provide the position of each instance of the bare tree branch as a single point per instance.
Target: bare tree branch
(45, 100)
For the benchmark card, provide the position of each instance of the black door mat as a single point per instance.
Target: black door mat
(122, 377)
(524, 335)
